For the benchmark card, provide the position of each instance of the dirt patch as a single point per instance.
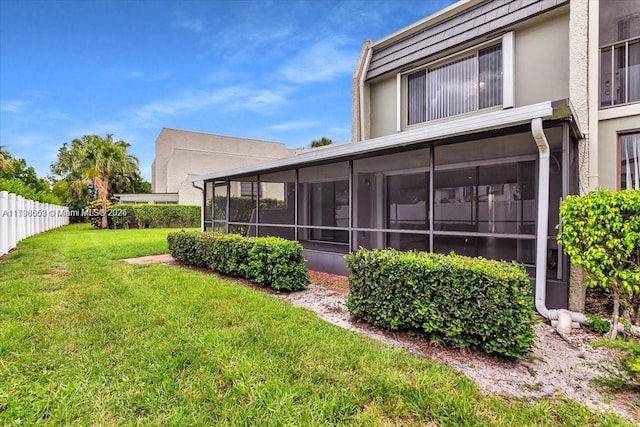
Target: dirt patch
(558, 366)
(152, 259)
(56, 272)
(330, 281)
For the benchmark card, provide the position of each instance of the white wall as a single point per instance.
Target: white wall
(21, 218)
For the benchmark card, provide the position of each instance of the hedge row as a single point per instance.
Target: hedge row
(453, 299)
(269, 261)
(148, 216)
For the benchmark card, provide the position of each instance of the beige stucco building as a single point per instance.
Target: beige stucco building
(181, 155)
(468, 129)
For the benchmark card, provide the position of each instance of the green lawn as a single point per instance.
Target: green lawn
(86, 339)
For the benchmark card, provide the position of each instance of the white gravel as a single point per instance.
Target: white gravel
(558, 366)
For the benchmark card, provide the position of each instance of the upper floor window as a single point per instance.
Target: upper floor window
(468, 83)
(630, 161)
(619, 53)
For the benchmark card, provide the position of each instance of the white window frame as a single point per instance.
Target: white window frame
(508, 79)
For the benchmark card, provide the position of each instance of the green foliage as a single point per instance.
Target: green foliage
(231, 255)
(242, 206)
(268, 261)
(278, 263)
(16, 186)
(154, 216)
(145, 216)
(601, 233)
(18, 178)
(321, 142)
(598, 325)
(454, 299)
(626, 376)
(93, 164)
(192, 248)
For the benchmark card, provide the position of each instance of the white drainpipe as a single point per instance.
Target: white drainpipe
(542, 231)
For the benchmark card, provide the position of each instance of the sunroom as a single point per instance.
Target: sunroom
(470, 185)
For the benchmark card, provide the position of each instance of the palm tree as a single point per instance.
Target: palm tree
(92, 160)
(4, 159)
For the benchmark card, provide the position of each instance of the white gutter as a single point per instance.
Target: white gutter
(542, 231)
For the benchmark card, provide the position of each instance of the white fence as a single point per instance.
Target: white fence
(21, 218)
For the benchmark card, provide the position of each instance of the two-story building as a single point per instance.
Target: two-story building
(469, 127)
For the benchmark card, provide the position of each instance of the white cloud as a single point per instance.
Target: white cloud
(226, 99)
(28, 140)
(294, 125)
(16, 107)
(160, 76)
(324, 61)
(187, 21)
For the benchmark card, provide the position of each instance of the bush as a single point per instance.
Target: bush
(147, 216)
(278, 263)
(192, 248)
(601, 234)
(231, 255)
(454, 299)
(268, 261)
(154, 216)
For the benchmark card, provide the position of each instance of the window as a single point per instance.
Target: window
(250, 188)
(630, 161)
(329, 207)
(619, 53)
(468, 83)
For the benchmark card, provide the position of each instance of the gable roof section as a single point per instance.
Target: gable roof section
(424, 40)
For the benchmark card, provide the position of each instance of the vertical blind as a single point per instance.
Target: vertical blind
(630, 159)
(490, 79)
(452, 88)
(467, 84)
(417, 90)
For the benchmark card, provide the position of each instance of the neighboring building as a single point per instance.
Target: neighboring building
(181, 155)
(469, 127)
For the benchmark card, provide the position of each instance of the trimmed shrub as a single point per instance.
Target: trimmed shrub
(231, 255)
(453, 299)
(278, 263)
(192, 248)
(154, 216)
(268, 261)
(146, 216)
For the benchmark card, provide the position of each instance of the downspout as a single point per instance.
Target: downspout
(565, 316)
(202, 206)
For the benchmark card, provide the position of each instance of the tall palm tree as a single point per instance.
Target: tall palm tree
(92, 160)
(103, 158)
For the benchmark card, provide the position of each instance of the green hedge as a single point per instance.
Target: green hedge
(192, 248)
(453, 299)
(148, 216)
(269, 261)
(154, 216)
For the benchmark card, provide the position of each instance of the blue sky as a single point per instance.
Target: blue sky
(276, 70)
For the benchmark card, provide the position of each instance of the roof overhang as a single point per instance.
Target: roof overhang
(488, 121)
